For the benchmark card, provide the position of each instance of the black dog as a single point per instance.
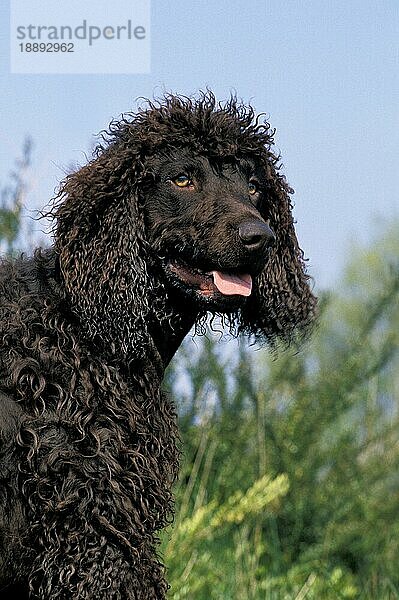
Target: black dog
(181, 211)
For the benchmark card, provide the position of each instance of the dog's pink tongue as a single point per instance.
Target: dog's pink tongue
(232, 284)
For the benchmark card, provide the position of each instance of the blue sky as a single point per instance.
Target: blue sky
(325, 73)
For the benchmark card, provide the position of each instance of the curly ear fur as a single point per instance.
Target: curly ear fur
(282, 306)
(99, 236)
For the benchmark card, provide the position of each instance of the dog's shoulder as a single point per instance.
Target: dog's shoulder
(23, 275)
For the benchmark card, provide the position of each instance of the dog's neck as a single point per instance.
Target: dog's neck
(169, 334)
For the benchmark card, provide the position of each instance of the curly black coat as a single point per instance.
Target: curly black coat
(181, 210)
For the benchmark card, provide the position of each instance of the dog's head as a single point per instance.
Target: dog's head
(184, 198)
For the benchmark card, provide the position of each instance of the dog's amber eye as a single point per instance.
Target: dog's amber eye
(182, 181)
(252, 188)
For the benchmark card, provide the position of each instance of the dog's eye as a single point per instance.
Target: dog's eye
(182, 180)
(252, 187)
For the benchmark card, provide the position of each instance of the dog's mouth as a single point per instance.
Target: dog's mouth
(213, 284)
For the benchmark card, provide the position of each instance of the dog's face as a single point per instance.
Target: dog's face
(207, 222)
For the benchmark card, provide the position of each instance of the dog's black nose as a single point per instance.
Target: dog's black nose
(255, 234)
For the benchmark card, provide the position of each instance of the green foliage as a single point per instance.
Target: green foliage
(11, 200)
(290, 486)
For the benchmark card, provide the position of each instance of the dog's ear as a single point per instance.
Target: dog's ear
(282, 306)
(100, 241)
